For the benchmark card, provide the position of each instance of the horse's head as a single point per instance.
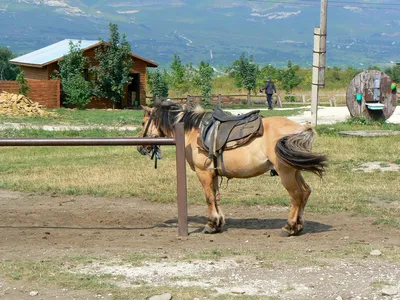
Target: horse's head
(159, 121)
(149, 129)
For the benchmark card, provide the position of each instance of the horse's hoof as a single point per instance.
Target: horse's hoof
(285, 233)
(299, 230)
(211, 230)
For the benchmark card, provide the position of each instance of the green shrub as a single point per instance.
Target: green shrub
(23, 84)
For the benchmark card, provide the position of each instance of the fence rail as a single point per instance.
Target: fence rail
(178, 141)
(248, 99)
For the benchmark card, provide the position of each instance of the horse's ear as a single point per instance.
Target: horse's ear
(146, 109)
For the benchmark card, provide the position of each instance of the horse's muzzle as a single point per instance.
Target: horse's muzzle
(142, 150)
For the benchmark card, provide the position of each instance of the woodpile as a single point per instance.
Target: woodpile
(20, 105)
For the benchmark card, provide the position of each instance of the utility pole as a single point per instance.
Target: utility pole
(319, 61)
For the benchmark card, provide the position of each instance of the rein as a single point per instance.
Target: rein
(155, 149)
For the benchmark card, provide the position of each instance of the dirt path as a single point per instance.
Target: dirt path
(254, 260)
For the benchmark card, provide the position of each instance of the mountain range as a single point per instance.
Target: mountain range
(360, 33)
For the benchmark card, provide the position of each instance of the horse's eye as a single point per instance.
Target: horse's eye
(143, 123)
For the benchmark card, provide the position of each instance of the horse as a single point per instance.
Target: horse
(284, 147)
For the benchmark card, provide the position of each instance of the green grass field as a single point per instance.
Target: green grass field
(118, 171)
(80, 170)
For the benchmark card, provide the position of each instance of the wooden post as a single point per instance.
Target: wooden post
(303, 98)
(315, 77)
(181, 179)
(322, 49)
(248, 98)
(188, 101)
(279, 100)
(157, 100)
(319, 60)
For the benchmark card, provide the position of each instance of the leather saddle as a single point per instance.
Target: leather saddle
(220, 131)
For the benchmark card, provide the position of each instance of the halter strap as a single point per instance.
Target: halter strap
(148, 125)
(154, 152)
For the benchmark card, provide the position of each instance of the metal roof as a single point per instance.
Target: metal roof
(55, 52)
(51, 53)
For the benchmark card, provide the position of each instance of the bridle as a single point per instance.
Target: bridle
(154, 152)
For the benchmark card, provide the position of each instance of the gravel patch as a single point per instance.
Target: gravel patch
(246, 276)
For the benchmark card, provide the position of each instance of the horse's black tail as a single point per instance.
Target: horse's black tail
(295, 150)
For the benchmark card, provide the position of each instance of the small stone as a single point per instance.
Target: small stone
(375, 253)
(33, 293)
(166, 296)
(389, 291)
(338, 298)
(238, 291)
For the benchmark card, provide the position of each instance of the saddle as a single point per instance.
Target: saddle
(220, 131)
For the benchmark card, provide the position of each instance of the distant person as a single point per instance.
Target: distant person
(269, 89)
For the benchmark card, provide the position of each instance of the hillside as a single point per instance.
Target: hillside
(359, 34)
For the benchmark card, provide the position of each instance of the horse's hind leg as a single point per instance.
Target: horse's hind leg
(296, 193)
(209, 182)
(306, 194)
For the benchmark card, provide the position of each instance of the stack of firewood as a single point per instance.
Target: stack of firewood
(20, 105)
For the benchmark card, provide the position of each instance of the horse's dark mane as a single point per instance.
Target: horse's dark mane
(166, 115)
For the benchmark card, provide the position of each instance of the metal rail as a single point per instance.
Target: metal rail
(87, 142)
(178, 141)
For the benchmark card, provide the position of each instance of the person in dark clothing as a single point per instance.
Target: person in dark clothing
(270, 89)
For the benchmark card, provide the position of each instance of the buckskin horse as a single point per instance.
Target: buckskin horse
(218, 144)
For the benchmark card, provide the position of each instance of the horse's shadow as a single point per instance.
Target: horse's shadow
(194, 221)
(253, 224)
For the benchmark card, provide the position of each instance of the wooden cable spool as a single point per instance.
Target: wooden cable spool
(370, 98)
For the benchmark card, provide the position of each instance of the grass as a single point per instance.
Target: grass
(77, 117)
(88, 133)
(60, 272)
(355, 124)
(113, 118)
(53, 275)
(120, 171)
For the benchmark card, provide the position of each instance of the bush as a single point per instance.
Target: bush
(78, 91)
(23, 84)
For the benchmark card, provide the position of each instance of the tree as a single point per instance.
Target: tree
(265, 72)
(7, 70)
(204, 80)
(23, 84)
(289, 78)
(177, 75)
(158, 84)
(72, 74)
(114, 65)
(246, 71)
(394, 72)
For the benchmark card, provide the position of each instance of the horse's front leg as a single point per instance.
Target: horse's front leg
(207, 179)
(221, 218)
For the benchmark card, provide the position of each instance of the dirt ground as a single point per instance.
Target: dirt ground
(43, 227)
